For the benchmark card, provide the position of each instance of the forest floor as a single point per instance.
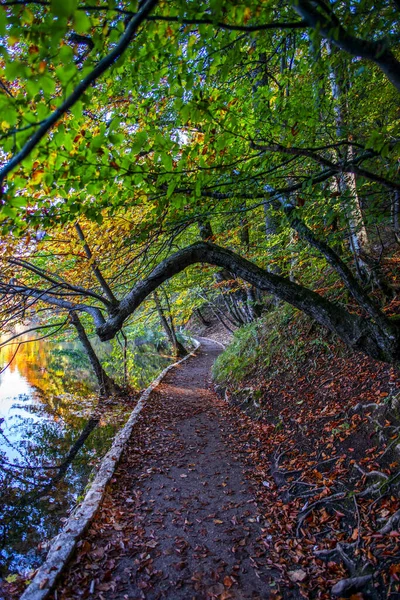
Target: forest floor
(285, 486)
(179, 519)
(323, 425)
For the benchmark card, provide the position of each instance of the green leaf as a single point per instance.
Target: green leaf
(171, 188)
(116, 138)
(48, 85)
(114, 124)
(14, 70)
(63, 8)
(18, 202)
(7, 211)
(77, 109)
(81, 22)
(33, 87)
(3, 21)
(9, 114)
(97, 141)
(166, 160)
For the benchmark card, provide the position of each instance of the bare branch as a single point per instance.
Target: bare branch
(60, 283)
(98, 274)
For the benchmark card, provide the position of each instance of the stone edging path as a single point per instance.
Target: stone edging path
(65, 542)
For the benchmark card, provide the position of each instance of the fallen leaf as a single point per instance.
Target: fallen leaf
(297, 576)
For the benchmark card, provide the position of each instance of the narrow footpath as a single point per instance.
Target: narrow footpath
(179, 520)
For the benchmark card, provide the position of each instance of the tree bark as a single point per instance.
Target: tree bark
(97, 273)
(395, 215)
(107, 385)
(329, 27)
(205, 230)
(357, 332)
(346, 182)
(177, 347)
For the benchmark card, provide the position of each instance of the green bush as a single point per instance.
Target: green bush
(271, 345)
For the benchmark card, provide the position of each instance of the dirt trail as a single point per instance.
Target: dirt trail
(179, 520)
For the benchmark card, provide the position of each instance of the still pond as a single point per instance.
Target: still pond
(53, 432)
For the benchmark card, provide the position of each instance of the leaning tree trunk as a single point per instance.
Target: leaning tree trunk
(107, 385)
(378, 336)
(201, 318)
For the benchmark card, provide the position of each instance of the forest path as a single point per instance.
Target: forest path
(179, 520)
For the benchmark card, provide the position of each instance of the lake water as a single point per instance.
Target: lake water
(48, 406)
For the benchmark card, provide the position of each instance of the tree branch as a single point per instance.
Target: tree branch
(39, 327)
(329, 27)
(345, 167)
(97, 273)
(46, 297)
(80, 89)
(174, 19)
(63, 284)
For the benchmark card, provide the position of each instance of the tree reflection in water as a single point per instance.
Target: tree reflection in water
(52, 432)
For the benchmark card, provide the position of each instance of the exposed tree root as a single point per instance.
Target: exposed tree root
(347, 587)
(391, 523)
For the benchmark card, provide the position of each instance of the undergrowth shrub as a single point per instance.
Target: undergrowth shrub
(281, 340)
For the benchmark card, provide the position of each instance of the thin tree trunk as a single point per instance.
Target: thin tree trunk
(261, 78)
(395, 216)
(124, 346)
(233, 316)
(346, 183)
(181, 349)
(217, 312)
(367, 267)
(107, 385)
(220, 319)
(177, 347)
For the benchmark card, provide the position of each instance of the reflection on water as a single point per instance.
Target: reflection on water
(47, 396)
